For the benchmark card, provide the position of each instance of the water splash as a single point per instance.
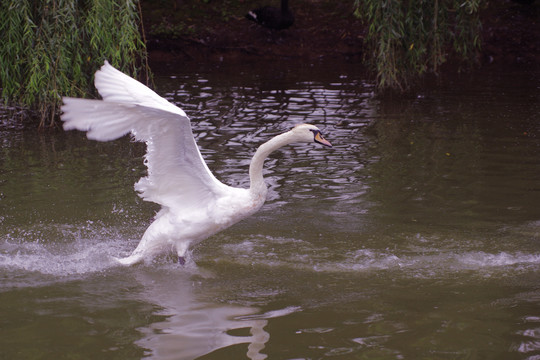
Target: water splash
(63, 250)
(427, 262)
(91, 247)
(35, 257)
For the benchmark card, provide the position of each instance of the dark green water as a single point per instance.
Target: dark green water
(416, 237)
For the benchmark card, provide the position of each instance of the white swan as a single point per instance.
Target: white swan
(194, 204)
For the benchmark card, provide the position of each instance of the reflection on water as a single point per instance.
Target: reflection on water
(193, 328)
(416, 236)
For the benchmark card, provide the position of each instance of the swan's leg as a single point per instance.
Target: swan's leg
(181, 249)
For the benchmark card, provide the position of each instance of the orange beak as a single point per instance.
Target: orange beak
(319, 138)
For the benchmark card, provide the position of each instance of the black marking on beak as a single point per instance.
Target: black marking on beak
(318, 138)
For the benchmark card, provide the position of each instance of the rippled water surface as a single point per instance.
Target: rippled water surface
(416, 237)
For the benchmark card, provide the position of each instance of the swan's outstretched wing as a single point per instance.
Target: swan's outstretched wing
(115, 86)
(177, 177)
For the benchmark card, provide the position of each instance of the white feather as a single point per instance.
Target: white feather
(194, 203)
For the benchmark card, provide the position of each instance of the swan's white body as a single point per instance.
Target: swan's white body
(195, 205)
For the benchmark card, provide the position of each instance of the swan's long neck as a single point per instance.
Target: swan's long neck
(257, 184)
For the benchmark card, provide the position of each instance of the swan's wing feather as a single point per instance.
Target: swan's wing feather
(178, 177)
(115, 86)
(103, 121)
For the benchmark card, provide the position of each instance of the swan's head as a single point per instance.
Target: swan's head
(309, 133)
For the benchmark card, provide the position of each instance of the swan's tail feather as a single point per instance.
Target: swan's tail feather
(130, 260)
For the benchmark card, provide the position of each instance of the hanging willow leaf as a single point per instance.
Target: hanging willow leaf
(51, 48)
(437, 28)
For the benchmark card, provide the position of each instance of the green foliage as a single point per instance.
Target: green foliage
(407, 39)
(51, 48)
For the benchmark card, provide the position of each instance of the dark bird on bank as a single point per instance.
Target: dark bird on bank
(272, 17)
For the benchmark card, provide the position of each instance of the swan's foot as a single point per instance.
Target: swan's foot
(182, 252)
(181, 260)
